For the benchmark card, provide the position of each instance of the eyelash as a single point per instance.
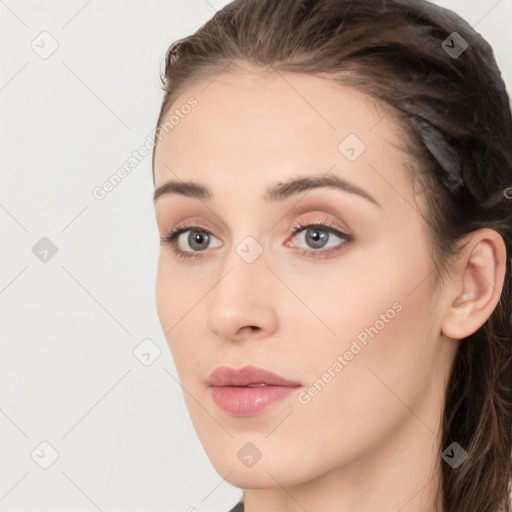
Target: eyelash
(326, 226)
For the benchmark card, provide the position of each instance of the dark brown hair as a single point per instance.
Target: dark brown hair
(457, 120)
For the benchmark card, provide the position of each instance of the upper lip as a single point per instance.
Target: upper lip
(227, 376)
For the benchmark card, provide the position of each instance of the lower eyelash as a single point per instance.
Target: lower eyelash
(183, 255)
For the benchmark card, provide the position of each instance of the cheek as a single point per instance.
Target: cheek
(164, 293)
(175, 307)
(176, 290)
(355, 289)
(376, 382)
(351, 406)
(385, 334)
(374, 313)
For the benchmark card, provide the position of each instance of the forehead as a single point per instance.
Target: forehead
(253, 125)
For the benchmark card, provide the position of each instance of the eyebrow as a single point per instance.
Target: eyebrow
(279, 191)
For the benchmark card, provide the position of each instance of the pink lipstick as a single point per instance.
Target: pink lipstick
(249, 390)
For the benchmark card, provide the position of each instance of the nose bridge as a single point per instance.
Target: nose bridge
(243, 273)
(240, 297)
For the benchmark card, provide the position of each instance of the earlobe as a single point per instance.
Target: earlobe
(476, 289)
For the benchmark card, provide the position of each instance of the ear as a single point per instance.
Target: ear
(477, 283)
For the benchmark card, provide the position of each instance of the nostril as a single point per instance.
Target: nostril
(246, 328)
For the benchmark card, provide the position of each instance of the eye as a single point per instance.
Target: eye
(318, 236)
(198, 239)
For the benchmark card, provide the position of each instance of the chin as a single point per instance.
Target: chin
(259, 477)
(267, 472)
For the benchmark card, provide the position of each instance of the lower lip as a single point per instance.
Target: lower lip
(248, 401)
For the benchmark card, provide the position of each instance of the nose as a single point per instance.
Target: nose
(244, 299)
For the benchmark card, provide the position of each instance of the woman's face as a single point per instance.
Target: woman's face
(348, 315)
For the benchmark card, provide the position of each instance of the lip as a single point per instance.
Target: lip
(227, 376)
(230, 391)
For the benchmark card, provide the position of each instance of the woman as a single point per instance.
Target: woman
(332, 190)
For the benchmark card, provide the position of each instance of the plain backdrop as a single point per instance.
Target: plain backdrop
(88, 420)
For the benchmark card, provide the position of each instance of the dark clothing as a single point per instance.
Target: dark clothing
(239, 507)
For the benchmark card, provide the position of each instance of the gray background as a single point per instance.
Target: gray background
(69, 326)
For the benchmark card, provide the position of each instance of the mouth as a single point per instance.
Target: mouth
(249, 390)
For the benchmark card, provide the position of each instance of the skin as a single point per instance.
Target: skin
(371, 437)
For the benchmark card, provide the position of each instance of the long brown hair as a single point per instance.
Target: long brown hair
(447, 92)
